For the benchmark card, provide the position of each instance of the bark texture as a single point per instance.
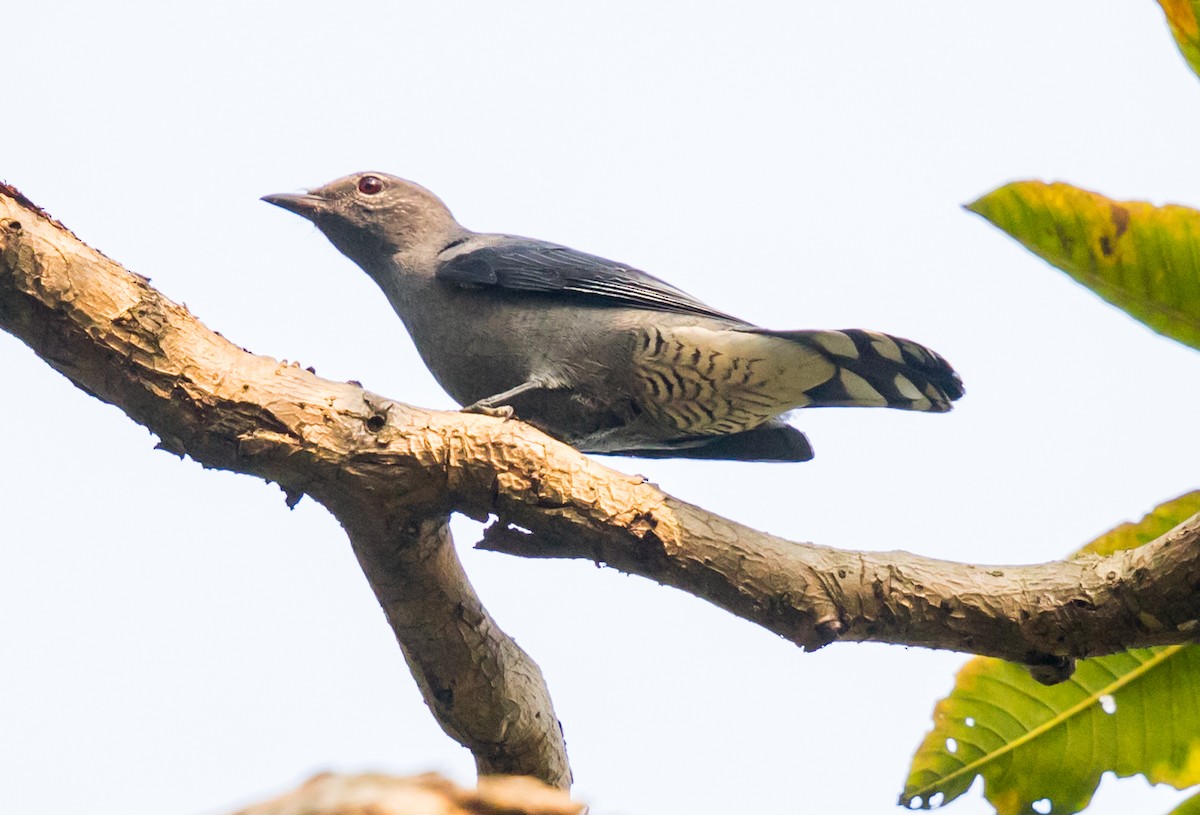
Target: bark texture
(117, 338)
(392, 474)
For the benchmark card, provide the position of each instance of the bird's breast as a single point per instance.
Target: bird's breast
(478, 343)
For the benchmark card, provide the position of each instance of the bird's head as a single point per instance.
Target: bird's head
(373, 215)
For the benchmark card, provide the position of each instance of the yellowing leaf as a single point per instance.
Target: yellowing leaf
(1139, 257)
(1184, 18)
(1136, 712)
(1162, 519)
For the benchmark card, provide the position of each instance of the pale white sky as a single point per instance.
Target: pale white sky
(175, 640)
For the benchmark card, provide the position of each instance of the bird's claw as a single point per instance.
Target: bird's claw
(501, 412)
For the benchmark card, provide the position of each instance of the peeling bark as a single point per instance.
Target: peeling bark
(392, 474)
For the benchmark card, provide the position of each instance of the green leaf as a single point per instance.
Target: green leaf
(1184, 18)
(1131, 713)
(1139, 257)
(1190, 806)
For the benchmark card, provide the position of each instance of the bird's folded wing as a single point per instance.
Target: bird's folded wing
(524, 264)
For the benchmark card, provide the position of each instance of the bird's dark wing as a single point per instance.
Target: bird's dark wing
(773, 441)
(523, 264)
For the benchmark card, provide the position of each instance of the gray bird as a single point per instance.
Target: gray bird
(603, 356)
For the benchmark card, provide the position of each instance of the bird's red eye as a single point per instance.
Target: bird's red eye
(370, 185)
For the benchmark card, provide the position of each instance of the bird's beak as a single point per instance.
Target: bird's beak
(306, 206)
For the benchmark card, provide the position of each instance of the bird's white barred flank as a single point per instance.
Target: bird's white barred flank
(715, 381)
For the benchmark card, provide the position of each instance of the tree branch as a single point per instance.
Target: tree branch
(1044, 615)
(392, 473)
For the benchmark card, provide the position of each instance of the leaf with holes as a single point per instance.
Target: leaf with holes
(1183, 16)
(1130, 713)
(1141, 258)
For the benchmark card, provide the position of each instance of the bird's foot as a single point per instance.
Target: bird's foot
(501, 412)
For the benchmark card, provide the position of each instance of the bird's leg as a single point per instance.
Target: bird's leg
(495, 405)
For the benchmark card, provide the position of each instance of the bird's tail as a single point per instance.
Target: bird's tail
(877, 370)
